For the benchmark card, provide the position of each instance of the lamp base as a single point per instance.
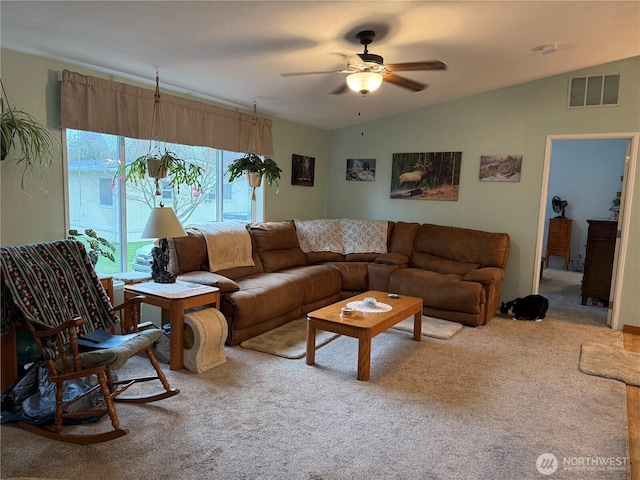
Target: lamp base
(159, 271)
(164, 277)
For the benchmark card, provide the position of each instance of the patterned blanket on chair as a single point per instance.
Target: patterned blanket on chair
(51, 282)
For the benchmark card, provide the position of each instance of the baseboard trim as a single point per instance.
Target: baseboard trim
(632, 329)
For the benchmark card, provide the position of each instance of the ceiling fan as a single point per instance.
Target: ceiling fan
(367, 70)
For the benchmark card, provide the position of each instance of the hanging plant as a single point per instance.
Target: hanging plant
(159, 164)
(253, 164)
(34, 144)
(168, 165)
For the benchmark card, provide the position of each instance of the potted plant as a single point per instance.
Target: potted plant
(35, 143)
(166, 165)
(97, 246)
(255, 168)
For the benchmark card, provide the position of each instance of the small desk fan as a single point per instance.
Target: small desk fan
(558, 206)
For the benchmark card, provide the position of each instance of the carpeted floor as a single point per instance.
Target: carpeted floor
(485, 404)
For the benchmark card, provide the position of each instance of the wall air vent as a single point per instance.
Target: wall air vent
(594, 91)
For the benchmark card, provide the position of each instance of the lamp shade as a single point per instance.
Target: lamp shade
(364, 82)
(163, 223)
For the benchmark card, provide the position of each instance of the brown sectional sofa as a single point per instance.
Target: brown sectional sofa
(457, 272)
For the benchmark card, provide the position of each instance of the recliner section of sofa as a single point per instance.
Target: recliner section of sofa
(457, 272)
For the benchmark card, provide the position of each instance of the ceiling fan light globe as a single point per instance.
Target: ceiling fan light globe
(364, 82)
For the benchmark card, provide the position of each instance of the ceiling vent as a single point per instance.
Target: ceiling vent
(594, 91)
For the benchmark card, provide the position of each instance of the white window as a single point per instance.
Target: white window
(118, 210)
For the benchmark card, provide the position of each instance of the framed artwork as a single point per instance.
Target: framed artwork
(500, 168)
(302, 170)
(361, 169)
(426, 176)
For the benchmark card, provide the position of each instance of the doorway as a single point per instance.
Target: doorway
(565, 285)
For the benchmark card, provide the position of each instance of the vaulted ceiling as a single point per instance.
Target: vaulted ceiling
(235, 52)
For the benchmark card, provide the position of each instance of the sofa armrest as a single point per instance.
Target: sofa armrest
(393, 259)
(486, 275)
(226, 285)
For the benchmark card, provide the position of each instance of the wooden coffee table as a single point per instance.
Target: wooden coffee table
(363, 326)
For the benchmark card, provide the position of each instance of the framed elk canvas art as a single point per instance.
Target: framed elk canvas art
(426, 176)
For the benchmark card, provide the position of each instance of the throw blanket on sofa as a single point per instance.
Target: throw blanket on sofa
(228, 245)
(342, 236)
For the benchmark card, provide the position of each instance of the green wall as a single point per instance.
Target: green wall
(510, 120)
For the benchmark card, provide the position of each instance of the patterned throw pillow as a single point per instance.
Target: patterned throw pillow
(364, 236)
(319, 235)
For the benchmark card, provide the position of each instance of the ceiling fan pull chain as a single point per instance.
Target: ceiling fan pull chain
(360, 108)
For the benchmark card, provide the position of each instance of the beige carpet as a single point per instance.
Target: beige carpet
(484, 405)
(288, 341)
(432, 327)
(610, 362)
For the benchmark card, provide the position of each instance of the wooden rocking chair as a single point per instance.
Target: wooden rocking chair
(53, 288)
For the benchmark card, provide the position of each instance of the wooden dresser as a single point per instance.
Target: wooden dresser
(598, 264)
(559, 240)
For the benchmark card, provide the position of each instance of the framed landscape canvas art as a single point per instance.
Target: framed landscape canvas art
(361, 169)
(426, 176)
(302, 170)
(500, 168)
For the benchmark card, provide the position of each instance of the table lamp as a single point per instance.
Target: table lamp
(162, 224)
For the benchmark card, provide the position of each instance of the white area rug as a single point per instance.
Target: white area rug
(288, 341)
(432, 327)
(610, 362)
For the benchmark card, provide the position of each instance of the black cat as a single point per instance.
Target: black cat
(531, 307)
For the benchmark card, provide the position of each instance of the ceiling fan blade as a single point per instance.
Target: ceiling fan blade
(404, 82)
(295, 74)
(405, 67)
(341, 89)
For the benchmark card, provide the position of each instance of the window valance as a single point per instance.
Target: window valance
(100, 105)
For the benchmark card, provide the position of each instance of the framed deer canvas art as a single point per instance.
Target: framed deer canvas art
(426, 176)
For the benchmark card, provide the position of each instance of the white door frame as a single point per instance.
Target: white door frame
(625, 212)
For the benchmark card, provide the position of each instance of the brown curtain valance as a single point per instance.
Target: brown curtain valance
(100, 105)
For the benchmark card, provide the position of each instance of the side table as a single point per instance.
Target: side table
(174, 299)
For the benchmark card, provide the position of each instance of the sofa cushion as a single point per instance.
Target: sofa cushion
(470, 246)
(427, 261)
(355, 275)
(277, 245)
(187, 254)
(445, 292)
(392, 258)
(403, 237)
(315, 281)
(321, 257)
(364, 236)
(323, 235)
(262, 297)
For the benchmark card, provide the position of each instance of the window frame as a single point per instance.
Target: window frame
(222, 192)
